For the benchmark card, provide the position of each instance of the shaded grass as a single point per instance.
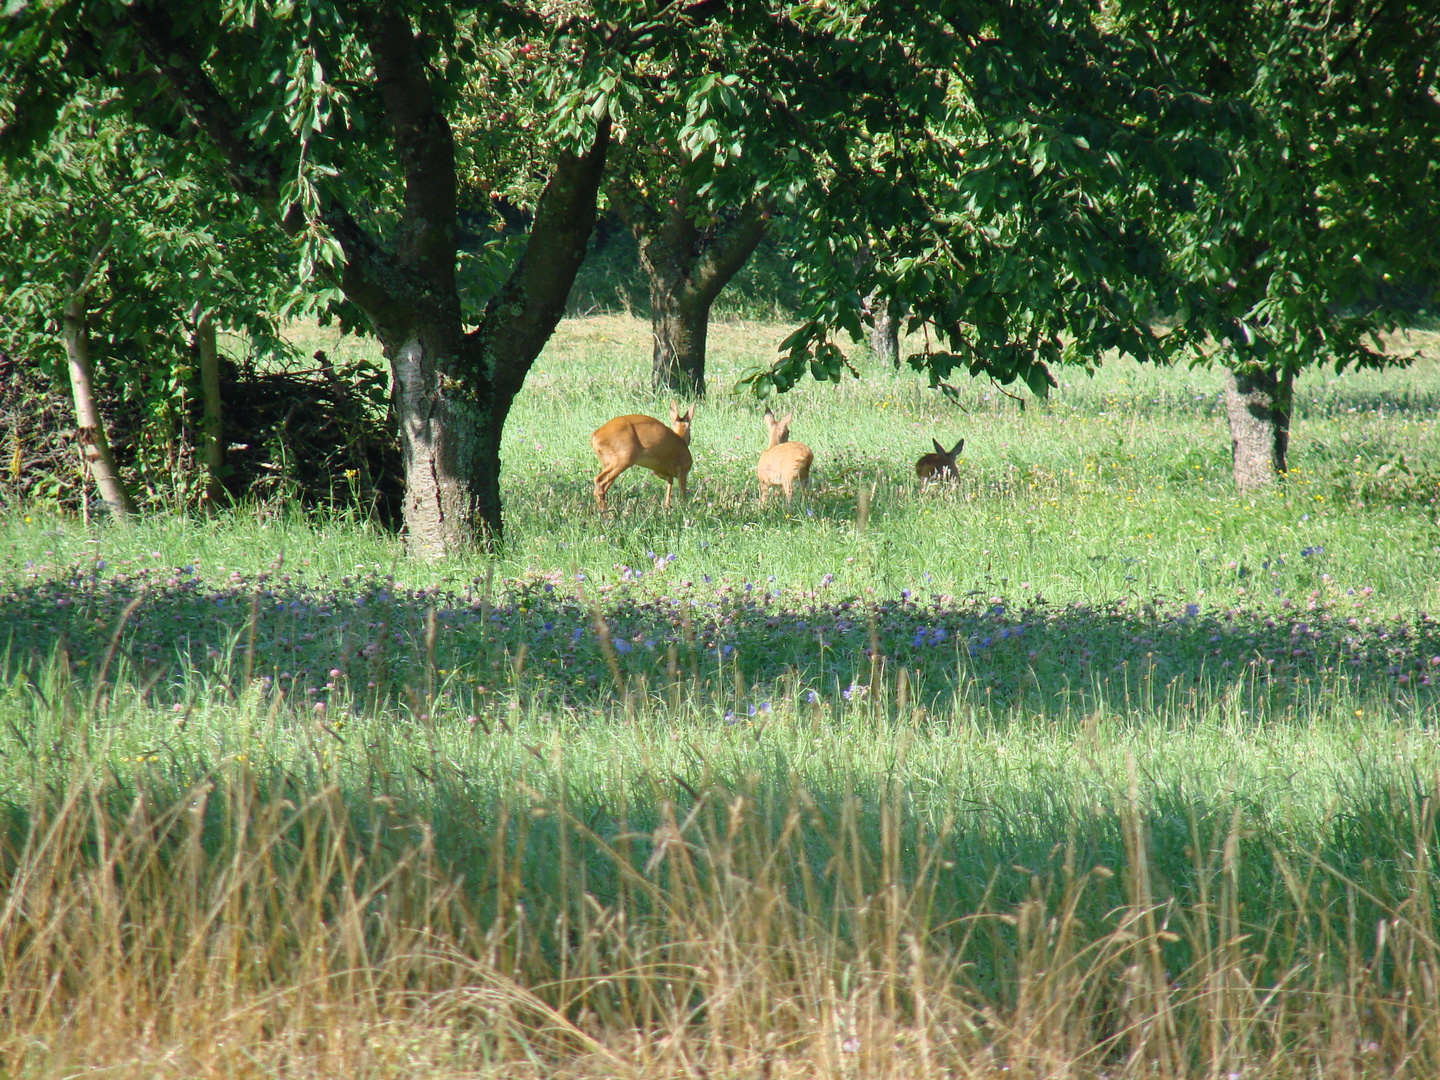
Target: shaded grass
(364, 644)
(1139, 779)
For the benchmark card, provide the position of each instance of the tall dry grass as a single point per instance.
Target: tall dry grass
(240, 928)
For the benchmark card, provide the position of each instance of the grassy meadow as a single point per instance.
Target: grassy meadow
(1083, 766)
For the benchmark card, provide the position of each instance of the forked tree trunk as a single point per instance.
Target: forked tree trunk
(687, 267)
(89, 425)
(452, 389)
(212, 426)
(1257, 406)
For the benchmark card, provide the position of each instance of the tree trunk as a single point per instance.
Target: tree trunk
(884, 331)
(448, 449)
(1257, 406)
(687, 267)
(680, 325)
(90, 426)
(452, 389)
(212, 428)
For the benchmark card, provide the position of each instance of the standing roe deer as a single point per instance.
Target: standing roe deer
(783, 462)
(644, 441)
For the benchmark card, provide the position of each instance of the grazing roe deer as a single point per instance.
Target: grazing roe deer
(939, 465)
(783, 463)
(644, 441)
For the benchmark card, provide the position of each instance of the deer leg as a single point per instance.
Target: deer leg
(602, 485)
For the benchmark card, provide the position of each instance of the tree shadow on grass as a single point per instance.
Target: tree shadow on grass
(375, 645)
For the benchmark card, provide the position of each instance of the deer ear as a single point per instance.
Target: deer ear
(690, 413)
(788, 417)
(769, 416)
(958, 447)
(938, 448)
(674, 412)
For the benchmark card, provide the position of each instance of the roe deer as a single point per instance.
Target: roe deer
(644, 441)
(939, 465)
(784, 462)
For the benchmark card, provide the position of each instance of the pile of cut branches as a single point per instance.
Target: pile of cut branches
(318, 438)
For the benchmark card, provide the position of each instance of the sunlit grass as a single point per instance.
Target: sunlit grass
(1084, 766)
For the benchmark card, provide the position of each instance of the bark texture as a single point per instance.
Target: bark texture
(680, 327)
(1257, 407)
(89, 425)
(687, 264)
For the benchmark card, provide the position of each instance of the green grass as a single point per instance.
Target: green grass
(1084, 766)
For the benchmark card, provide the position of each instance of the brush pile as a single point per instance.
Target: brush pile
(316, 437)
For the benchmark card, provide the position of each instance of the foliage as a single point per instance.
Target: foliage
(1333, 187)
(1005, 188)
(1035, 184)
(1048, 183)
(161, 251)
(350, 153)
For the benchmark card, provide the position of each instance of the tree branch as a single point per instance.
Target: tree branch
(521, 316)
(102, 244)
(251, 171)
(722, 259)
(369, 276)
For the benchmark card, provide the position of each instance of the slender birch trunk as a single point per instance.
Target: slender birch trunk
(90, 427)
